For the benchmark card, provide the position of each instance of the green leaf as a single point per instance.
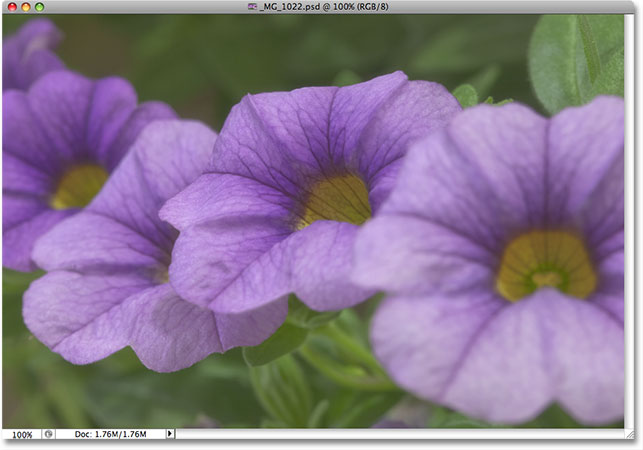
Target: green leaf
(611, 80)
(552, 62)
(466, 95)
(589, 47)
(569, 55)
(283, 391)
(285, 340)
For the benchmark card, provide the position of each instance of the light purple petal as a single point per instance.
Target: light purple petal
(143, 115)
(207, 259)
(283, 138)
(314, 263)
(27, 55)
(167, 333)
(81, 316)
(271, 150)
(87, 317)
(505, 365)
(91, 240)
(446, 184)
(586, 168)
(121, 227)
(415, 110)
(251, 328)
(235, 220)
(113, 101)
(218, 197)
(420, 340)
(25, 141)
(166, 157)
(408, 254)
(24, 220)
(60, 103)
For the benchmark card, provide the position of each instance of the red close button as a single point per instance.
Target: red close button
(12, 7)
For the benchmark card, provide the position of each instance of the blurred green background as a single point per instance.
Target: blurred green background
(202, 66)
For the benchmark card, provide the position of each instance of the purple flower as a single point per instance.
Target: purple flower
(107, 286)
(292, 176)
(502, 247)
(60, 141)
(27, 55)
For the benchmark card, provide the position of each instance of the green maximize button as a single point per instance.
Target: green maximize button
(39, 7)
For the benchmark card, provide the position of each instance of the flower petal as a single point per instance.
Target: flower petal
(208, 257)
(313, 263)
(420, 340)
(59, 103)
(166, 157)
(283, 138)
(80, 316)
(86, 318)
(24, 221)
(432, 257)
(90, 240)
(168, 333)
(505, 364)
(144, 114)
(417, 109)
(215, 197)
(586, 167)
(24, 140)
(121, 227)
(27, 54)
(234, 221)
(443, 184)
(562, 349)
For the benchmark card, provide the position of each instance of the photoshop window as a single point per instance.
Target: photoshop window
(317, 220)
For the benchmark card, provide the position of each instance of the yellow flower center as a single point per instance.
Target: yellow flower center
(343, 198)
(537, 259)
(78, 186)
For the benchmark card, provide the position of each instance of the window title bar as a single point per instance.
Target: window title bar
(314, 7)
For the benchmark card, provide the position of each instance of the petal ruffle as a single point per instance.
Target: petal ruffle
(27, 55)
(585, 162)
(81, 316)
(166, 157)
(140, 117)
(24, 220)
(86, 318)
(282, 139)
(505, 364)
(442, 182)
(314, 263)
(226, 223)
(407, 254)
(94, 241)
(415, 110)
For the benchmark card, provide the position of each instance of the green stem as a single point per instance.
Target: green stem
(336, 372)
(352, 349)
(590, 48)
